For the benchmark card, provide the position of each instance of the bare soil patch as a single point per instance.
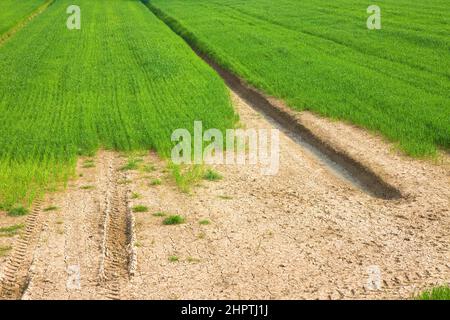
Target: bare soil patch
(81, 252)
(302, 234)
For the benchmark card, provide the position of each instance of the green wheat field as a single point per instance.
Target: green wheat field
(125, 81)
(319, 55)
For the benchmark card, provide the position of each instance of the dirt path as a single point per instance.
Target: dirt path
(304, 233)
(301, 234)
(81, 252)
(114, 261)
(15, 276)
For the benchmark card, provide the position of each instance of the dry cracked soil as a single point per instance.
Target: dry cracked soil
(304, 233)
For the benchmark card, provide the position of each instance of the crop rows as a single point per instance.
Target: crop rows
(124, 82)
(319, 55)
(13, 11)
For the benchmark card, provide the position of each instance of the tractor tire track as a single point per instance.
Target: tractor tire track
(116, 252)
(86, 250)
(349, 169)
(16, 275)
(301, 234)
(22, 24)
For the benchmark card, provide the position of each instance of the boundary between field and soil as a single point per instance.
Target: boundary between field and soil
(24, 22)
(118, 253)
(358, 174)
(118, 259)
(15, 278)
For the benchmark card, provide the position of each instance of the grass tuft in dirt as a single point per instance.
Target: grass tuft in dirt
(186, 176)
(175, 219)
(4, 250)
(212, 175)
(87, 187)
(11, 230)
(148, 168)
(124, 181)
(193, 260)
(204, 222)
(437, 293)
(88, 164)
(18, 211)
(140, 208)
(155, 182)
(135, 195)
(174, 259)
(132, 164)
(160, 214)
(51, 208)
(201, 235)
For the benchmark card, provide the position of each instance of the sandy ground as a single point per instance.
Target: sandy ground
(301, 234)
(7, 238)
(70, 260)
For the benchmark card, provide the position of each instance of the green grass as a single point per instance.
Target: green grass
(159, 214)
(11, 230)
(204, 222)
(140, 208)
(122, 82)
(148, 168)
(438, 293)
(51, 208)
(186, 176)
(318, 55)
(174, 259)
(132, 164)
(124, 181)
(193, 260)
(18, 211)
(13, 12)
(135, 195)
(175, 219)
(201, 235)
(4, 250)
(212, 175)
(155, 182)
(87, 187)
(88, 164)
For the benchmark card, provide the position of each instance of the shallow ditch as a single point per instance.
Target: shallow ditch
(338, 162)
